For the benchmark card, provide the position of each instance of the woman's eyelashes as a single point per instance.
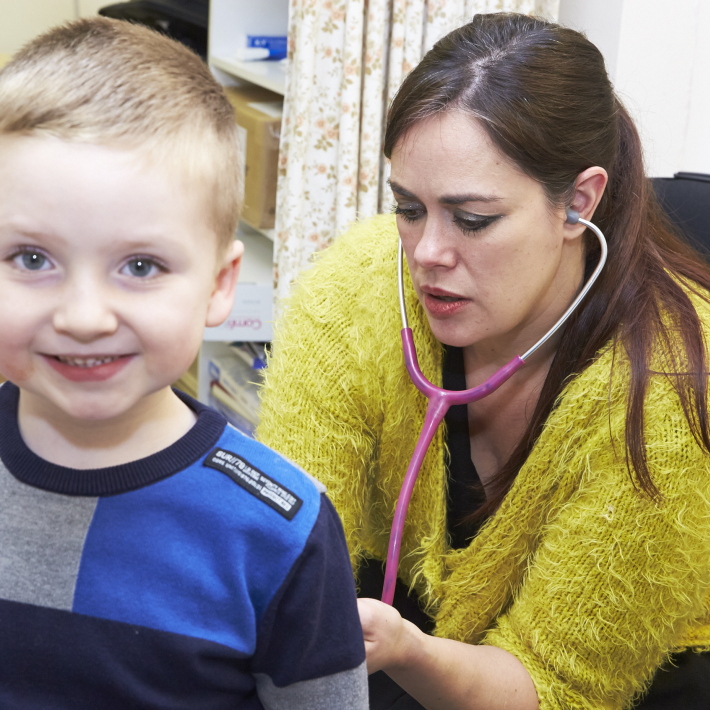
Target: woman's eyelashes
(465, 221)
(410, 213)
(468, 223)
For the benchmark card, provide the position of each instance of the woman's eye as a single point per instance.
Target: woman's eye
(410, 214)
(473, 224)
(141, 267)
(31, 261)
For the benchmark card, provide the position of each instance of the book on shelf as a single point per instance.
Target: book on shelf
(230, 409)
(237, 378)
(253, 354)
(234, 383)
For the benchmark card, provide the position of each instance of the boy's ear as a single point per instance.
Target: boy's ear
(222, 297)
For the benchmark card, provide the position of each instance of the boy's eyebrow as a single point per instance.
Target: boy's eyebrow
(37, 234)
(149, 241)
(40, 234)
(447, 199)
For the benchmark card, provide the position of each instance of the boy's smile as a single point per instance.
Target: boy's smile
(88, 369)
(108, 275)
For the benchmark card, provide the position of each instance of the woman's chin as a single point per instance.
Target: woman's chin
(453, 337)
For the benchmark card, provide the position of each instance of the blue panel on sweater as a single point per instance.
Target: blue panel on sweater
(196, 554)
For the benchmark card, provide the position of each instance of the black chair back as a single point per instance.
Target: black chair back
(686, 200)
(183, 20)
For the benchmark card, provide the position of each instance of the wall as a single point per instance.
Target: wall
(661, 70)
(696, 155)
(86, 8)
(21, 20)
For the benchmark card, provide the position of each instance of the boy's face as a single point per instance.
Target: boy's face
(108, 275)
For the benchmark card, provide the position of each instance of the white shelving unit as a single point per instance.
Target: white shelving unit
(268, 233)
(252, 312)
(230, 22)
(270, 75)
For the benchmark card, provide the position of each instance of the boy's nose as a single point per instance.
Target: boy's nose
(84, 314)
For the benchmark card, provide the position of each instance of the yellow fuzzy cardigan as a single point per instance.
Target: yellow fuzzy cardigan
(587, 582)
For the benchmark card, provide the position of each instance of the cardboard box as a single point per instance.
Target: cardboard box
(258, 113)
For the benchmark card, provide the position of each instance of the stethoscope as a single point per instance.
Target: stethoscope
(440, 400)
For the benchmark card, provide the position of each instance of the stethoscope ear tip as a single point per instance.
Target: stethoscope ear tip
(572, 216)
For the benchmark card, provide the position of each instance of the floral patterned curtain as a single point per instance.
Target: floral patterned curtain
(347, 59)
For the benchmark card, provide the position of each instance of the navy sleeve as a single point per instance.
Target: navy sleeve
(311, 628)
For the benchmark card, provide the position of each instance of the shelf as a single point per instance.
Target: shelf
(246, 228)
(229, 24)
(270, 75)
(258, 259)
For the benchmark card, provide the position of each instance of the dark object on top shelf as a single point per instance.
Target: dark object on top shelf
(686, 200)
(183, 20)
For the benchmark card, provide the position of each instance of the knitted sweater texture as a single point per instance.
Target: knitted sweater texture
(585, 580)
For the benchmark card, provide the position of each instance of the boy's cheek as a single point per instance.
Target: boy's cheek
(15, 372)
(174, 347)
(15, 337)
(173, 364)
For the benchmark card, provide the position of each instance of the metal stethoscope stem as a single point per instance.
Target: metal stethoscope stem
(440, 400)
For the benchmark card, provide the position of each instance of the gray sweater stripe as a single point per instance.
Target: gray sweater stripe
(346, 690)
(41, 542)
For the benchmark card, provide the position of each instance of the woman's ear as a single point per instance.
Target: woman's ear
(222, 297)
(588, 190)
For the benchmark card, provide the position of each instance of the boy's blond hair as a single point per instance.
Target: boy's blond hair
(112, 83)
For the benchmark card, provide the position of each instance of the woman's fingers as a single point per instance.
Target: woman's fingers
(382, 629)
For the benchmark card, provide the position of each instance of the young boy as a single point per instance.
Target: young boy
(150, 555)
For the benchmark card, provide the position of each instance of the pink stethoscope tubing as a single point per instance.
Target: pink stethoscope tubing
(439, 400)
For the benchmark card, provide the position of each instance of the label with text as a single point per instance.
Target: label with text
(256, 482)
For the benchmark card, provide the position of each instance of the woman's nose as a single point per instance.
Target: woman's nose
(436, 246)
(84, 312)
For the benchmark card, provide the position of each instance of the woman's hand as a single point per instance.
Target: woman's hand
(388, 636)
(440, 673)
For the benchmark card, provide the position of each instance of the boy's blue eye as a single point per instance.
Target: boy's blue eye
(30, 260)
(141, 267)
(33, 260)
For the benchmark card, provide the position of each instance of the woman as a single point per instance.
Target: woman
(558, 536)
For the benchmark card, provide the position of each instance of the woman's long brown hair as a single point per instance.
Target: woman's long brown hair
(542, 93)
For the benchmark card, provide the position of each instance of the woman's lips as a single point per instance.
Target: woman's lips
(441, 303)
(88, 369)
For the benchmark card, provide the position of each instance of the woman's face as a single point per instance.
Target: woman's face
(490, 258)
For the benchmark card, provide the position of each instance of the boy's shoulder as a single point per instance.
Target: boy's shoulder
(256, 489)
(262, 471)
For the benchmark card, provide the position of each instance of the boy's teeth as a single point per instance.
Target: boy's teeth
(87, 361)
